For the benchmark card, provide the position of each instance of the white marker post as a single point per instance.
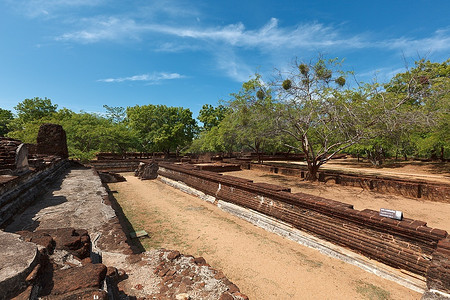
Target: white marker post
(392, 214)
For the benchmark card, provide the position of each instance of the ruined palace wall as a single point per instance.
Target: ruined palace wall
(20, 191)
(430, 191)
(407, 244)
(115, 165)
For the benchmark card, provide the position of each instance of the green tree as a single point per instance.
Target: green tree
(86, 133)
(34, 109)
(251, 116)
(115, 114)
(425, 107)
(162, 128)
(211, 116)
(248, 123)
(320, 115)
(6, 117)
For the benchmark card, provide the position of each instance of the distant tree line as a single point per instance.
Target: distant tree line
(147, 128)
(314, 108)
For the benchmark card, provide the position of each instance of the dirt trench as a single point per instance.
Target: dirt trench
(262, 264)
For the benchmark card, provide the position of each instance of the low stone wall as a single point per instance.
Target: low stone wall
(220, 167)
(407, 244)
(115, 165)
(19, 192)
(382, 184)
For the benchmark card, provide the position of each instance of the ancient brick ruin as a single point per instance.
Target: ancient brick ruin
(430, 191)
(13, 156)
(51, 140)
(88, 258)
(147, 170)
(62, 238)
(407, 244)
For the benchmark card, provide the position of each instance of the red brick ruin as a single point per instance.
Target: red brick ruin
(407, 244)
(66, 262)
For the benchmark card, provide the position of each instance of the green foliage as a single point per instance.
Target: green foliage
(320, 117)
(27, 133)
(211, 116)
(252, 116)
(304, 69)
(162, 128)
(287, 84)
(6, 117)
(34, 109)
(115, 114)
(418, 119)
(249, 123)
(340, 81)
(218, 139)
(86, 133)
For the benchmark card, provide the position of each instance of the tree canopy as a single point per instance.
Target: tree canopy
(162, 128)
(35, 109)
(211, 116)
(6, 116)
(315, 110)
(311, 108)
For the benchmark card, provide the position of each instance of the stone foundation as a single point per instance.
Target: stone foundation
(17, 193)
(430, 191)
(408, 244)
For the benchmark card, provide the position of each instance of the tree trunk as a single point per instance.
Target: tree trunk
(258, 151)
(312, 172)
(442, 154)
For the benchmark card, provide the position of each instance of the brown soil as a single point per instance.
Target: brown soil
(263, 265)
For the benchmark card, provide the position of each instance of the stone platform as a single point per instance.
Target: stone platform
(17, 261)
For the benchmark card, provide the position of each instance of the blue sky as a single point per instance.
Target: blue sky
(83, 54)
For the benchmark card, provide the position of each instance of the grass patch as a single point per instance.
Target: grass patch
(372, 292)
(314, 264)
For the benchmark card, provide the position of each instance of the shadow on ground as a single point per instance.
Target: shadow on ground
(26, 219)
(127, 227)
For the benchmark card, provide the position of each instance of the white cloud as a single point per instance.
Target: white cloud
(269, 36)
(380, 74)
(232, 66)
(175, 26)
(104, 28)
(170, 47)
(439, 41)
(36, 8)
(151, 78)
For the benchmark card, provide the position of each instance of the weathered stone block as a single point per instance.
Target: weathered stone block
(13, 156)
(51, 140)
(147, 171)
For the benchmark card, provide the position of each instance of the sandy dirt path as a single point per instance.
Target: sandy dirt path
(436, 214)
(262, 264)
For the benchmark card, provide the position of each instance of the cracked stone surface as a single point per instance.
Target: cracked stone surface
(17, 260)
(79, 194)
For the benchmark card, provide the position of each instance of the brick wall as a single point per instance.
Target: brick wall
(19, 192)
(382, 184)
(115, 165)
(407, 244)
